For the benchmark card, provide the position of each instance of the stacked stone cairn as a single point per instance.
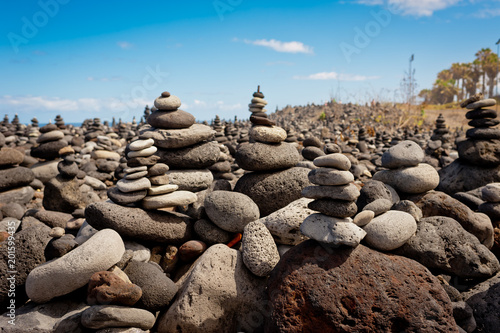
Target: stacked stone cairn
(482, 146)
(184, 145)
(50, 142)
(14, 179)
(271, 159)
(60, 122)
(34, 131)
(219, 130)
(334, 197)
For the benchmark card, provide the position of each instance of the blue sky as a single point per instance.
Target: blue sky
(85, 59)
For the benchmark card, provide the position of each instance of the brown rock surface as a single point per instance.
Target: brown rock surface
(355, 290)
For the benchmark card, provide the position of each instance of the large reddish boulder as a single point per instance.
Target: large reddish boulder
(355, 290)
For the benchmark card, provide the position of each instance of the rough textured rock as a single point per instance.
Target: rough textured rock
(354, 290)
(273, 190)
(231, 211)
(21, 195)
(199, 156)
(486, 307)
(462, 177)
(218, 294)
(441, 204)
(210, 233)
(178, 138)
(440, 242)
(480, 152)
(135, 223)
(45, 171)
(157, 289)
(404, 154)
(72, 271)
(30, 246)
(265, 157)
(259, 251)
(373, 190)
(15, 177)
(284, 224)
(63, 195)
(191, 180)
(108, 288)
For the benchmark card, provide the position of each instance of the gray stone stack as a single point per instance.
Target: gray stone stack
(270, 159)
(334, 197)
(482, 146)
(50, 142)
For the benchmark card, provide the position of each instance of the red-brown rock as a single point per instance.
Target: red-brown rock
(108, 288)
(355, 290)
(191, 250)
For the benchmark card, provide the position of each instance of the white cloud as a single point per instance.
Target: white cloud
(487, 13)
(279, 46)
(124, 45)
(335, 76)
(411, 7)
(57, 104)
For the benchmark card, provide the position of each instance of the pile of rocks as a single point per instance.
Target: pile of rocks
(335, 198)
(219, 130)
(479, 151)
(14, 179)
(271, 161)
(50, 142)
(185, 146)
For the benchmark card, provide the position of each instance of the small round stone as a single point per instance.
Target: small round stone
(363, 218)
(177, 198)
(142, 153)
(170, 103)
(191, 250)
(126, 186)
(56, 232)
(165, 94)
(141, 144)
(329, 176)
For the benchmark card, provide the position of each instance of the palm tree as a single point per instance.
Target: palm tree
(482, 56)
(491, 70)
(458, 71)
(472, 76)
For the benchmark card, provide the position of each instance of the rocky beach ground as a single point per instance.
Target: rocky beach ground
(333, 218)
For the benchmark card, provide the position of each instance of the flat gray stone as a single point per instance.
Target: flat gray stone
(103, 316)
(335, 160)
(177, 198)
(347, 192)
(330, 176)
(178, 138)
(266, 157)
(482, 103)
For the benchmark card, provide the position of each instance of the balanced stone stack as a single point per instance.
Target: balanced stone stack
(50, 142)
(272, 161)
(106, 156)
(59, 122)
(219, 130)
(14, 179)
(482, 146)
(185, 146)
(362, 145)
(406, 172)
(335, 199)
(440, 132)
(134, 186)
(34, 131)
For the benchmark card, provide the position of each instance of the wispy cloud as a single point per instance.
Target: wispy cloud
(487, 13)
(279, 46)
(124, 45)
(57, 104)
(416, 8)
(335, 76)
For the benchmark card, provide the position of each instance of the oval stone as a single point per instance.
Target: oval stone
(169, 103)
(259, 250)
(390, 230)
(268, 134)
(336, 160)
(265, 157)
